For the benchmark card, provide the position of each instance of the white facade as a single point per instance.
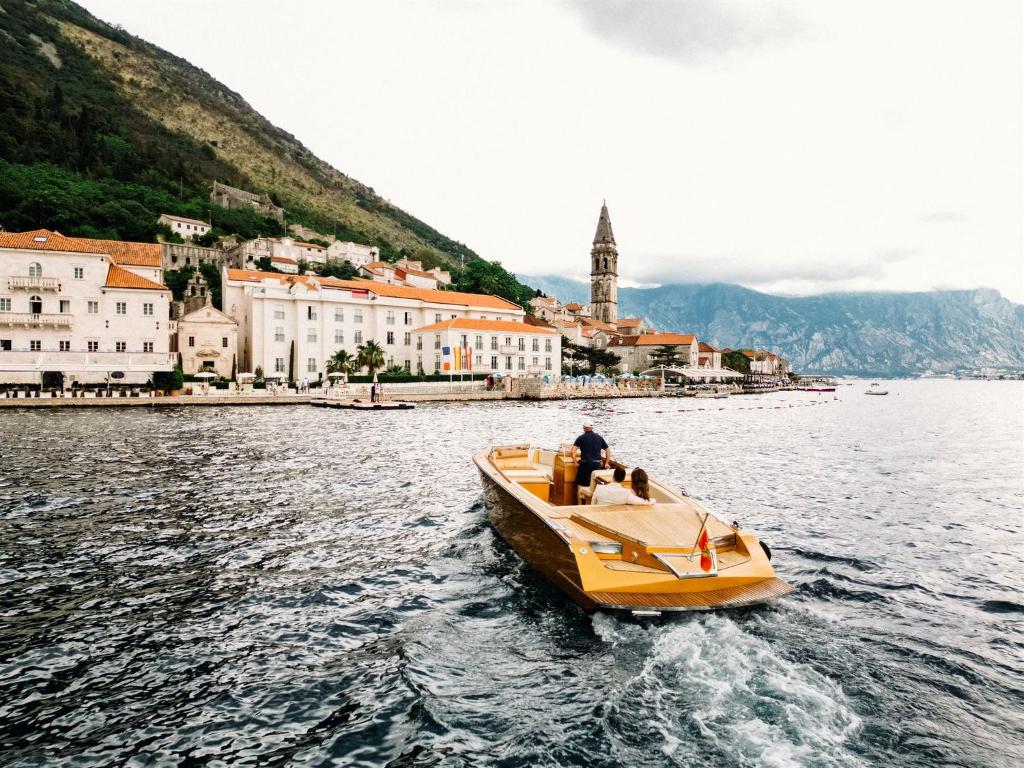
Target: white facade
(509, 348)
(67, 307)
(285, 264)
(355, 253)
(298, 322)
(297, 250)
(187, 228)
(207, 340)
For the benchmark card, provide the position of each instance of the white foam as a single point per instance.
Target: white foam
(745, 699)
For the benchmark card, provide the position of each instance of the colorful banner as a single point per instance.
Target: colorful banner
(446, 358)
(469, 359)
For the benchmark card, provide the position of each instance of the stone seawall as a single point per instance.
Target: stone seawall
(152, 402)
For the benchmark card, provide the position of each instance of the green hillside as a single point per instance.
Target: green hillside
(100, 132)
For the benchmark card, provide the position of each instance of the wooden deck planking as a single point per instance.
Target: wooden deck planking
(769, 589)
(665, 525)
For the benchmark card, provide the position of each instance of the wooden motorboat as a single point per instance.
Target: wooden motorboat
(876, 389)
(642, 559)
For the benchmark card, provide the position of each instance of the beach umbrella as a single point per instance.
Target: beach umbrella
(205, 375)
(245, 376)
(335, 375)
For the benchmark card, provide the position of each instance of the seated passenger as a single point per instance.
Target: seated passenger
(640, 484)
(617, 493)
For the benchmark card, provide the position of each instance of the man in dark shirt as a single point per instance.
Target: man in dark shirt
(588, 447)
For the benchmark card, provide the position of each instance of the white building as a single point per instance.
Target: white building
(77, 309)
(294, 323)
(297, 250)
(636, 351)
(355, 253)
(285, 264)
(187, 228)
(207, 340)
(494, 346)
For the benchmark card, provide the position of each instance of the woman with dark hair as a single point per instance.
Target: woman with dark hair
(641, 486)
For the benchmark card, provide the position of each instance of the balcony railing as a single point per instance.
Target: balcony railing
(509, 349)
(35, 320)
(87, 361)
(33, 283)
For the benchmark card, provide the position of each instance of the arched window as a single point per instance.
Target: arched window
(597, 263)
(35, 304)
(35, 269)
(606, 262)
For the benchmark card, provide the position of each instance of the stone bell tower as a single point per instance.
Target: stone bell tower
(604, 272)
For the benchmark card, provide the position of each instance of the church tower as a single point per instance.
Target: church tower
(604, 272)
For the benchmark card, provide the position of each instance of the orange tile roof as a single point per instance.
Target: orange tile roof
(428, 295)
(663, 339)
(703, 347)
(474, 324)
(123, 278)
(598, 324)
(283, 259)
(379, 265)
(572, 306)
(128, 254)
(629, 322)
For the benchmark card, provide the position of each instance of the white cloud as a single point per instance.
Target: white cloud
(689, 31)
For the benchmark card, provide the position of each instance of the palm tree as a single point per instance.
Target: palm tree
(370, 355)
(396, 370)
(341, 361)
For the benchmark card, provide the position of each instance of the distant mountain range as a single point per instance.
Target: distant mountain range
(870, 334)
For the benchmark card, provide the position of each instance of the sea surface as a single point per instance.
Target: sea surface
(294, 586)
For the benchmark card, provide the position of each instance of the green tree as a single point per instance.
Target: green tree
(341, 361)
(177, 281)
(736, 360)
(396, 370)
(667, 355)
(370, 356)
(343, 270)
(211, 274)
(489, 277)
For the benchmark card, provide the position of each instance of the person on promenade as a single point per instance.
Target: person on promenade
(588, 449)
(640, 484)
(617, 493)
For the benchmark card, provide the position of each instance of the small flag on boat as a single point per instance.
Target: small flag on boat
(705, 551)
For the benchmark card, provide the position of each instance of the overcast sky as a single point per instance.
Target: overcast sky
(793, 147)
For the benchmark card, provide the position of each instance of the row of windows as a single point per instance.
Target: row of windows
(390, 317)
(35, 306)
(35, 269)
(478, 343)
(36, 345)
(478, 361)
(223, 341)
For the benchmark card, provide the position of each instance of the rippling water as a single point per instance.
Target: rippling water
(289, 586)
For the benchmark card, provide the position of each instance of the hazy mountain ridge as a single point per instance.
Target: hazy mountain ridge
(893, 334)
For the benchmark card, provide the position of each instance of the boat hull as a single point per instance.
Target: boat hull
(534, 541)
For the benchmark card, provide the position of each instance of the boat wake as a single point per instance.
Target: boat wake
(704, 680)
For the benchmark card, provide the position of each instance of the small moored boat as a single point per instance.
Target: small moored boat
(643, 559)
(362, 405)
(876, 389)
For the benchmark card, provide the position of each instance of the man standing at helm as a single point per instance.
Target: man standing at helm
(588, 450)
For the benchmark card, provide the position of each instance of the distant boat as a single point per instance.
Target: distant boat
(817, 384)
(642, 559)
(362, 405)
(876, 389)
